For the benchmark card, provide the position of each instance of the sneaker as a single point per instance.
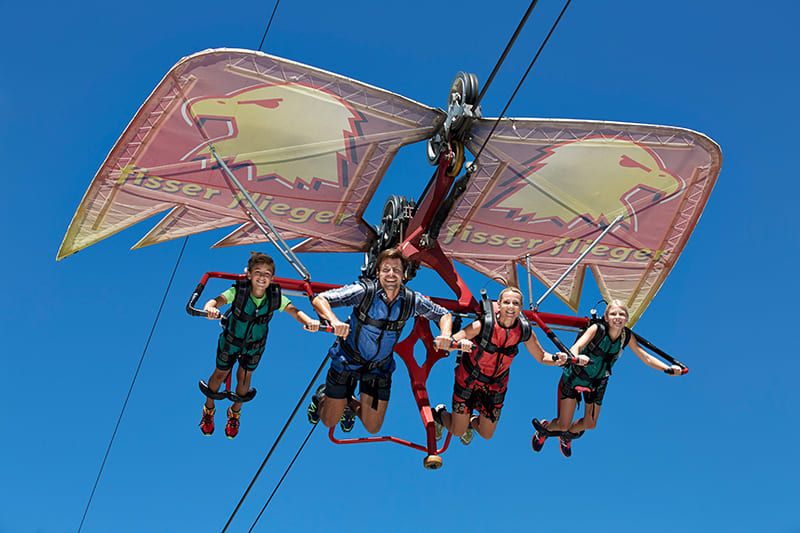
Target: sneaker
(348, 420)
(313, 406)
(566, 441)
(566, 446)
(437, 420)
(466, 438)
(539, 437)
(207, 422)
(232, 427)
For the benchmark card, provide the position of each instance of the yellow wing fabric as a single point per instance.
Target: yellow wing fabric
(546, 188)
(310, 147)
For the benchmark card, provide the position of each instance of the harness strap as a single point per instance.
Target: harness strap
(466, 393)
(355, 357)
(475, 373)
(361, 312)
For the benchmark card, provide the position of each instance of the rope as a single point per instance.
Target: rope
(521, 81)
(277, 440)
(133, 382)
(280, 481)
(269, 24)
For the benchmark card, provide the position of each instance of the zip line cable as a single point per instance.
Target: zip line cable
(280, 481)
(150, 337)
(133, 382)
(310, 385)
(505, 52)
(269, 24)
(277, 440)
(522, 80)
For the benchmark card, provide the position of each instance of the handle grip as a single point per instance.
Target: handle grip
(323, 328)
(661, 353)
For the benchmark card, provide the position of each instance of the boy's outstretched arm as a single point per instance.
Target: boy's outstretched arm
(212, 307)
(311, 324)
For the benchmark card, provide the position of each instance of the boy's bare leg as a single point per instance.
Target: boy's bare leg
(214, 383)
(243, 377)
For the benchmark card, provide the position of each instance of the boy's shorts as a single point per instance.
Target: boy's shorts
(226, 360)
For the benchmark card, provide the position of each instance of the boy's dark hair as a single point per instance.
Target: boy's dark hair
(390, 253)
(257, 258)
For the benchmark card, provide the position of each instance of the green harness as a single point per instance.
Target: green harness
(603, 353)
(247, 324)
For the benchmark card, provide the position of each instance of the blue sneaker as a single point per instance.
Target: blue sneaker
(348, 420)
(313, 406)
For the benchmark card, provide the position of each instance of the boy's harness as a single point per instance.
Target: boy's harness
(237, 315)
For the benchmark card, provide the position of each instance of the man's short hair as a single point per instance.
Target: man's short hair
(390, 253)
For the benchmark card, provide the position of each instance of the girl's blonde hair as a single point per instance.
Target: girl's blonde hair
(616, 303)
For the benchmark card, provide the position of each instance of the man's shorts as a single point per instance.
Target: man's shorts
(486, 398)
(595, 395)
(342, 384)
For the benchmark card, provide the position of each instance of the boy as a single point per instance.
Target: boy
(245, 333)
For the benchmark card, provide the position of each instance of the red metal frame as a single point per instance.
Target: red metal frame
(435, 258)
(418, 376)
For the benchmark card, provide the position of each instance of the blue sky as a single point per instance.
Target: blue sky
(711, 451)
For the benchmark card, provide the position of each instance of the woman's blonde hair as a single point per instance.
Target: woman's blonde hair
(616, 303)
(510, 289)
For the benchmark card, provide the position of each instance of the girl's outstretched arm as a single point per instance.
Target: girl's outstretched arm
(582, 342)
(653, 362)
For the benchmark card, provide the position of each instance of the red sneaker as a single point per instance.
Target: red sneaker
(207, 422)
(566, 447)
(540, 436)
(232, 427)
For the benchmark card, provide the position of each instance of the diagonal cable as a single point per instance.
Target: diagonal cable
(506, 51)
(280, 481)
(269, 24)
(521, 81)
(133, 382)
(277, 440)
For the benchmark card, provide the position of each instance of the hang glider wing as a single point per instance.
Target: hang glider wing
(309, 146)
(548, 187)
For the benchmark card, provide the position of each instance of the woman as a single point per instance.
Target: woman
(481, 376)
(596, 351)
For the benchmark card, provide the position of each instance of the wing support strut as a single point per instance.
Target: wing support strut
(575, 264)
(262, 220)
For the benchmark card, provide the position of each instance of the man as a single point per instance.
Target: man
(363, 354)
